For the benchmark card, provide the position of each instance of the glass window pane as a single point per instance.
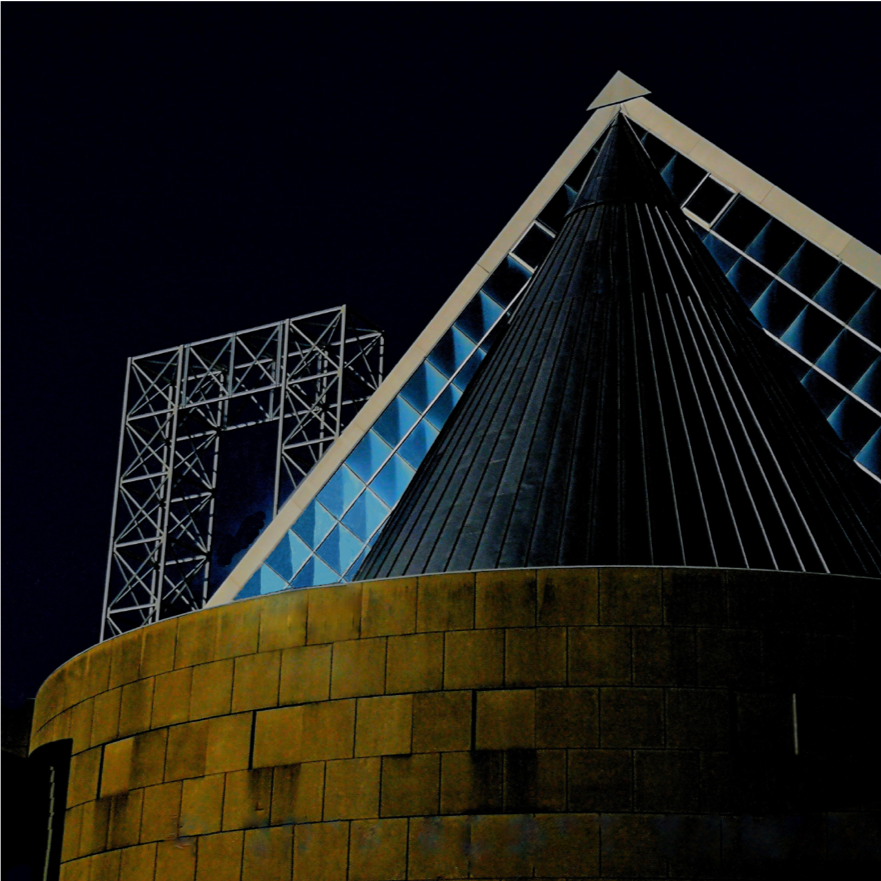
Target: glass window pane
(288, 556)
(724, 255)
(465, 375)
(395, 421)
(809, 269)
(660, 153)
(827, 396)
(391, 482)
(854, 423)
(370, 453)
(339, 492)
(340, 548)
(793, 362)
(262, 582)
(811, 332)
(847, 359)
(422, 386)
(417, 445)
(870, 455)
(507, 280)
(366, 515)
(479, 316)
(749, 280)
(352, 572)
(440, 412)
(534, 246)
(315, 573)
(869, 387)
(313, 524)
(741, 222)
(709, 199)
(682, 176)
(777, 308)
(451, 351)
(868, 320)
(554, 213)
(844, 293)
(775, 245)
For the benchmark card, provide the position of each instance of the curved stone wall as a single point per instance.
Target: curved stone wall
(552, 723)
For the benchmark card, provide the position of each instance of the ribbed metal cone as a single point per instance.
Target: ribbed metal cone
(633, 413)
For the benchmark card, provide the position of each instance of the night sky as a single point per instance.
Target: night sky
(174, 172)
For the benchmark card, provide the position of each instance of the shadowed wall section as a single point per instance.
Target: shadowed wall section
(556, 723)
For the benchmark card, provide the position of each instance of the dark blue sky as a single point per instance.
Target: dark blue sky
(174, 171)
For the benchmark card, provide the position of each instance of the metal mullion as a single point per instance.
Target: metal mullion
(282, 401)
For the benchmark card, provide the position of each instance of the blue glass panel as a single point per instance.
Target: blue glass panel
(451, 351)
(847, 359)
(868, 320)
(367, 513)
(870, 455)
(368, 455)
(724, 255)
(793, 362)
(844, 293)
(855, 424)
(709, 199)
(775, 245)
(660, 153)
(827, 396)
(339, 492)
(289, 555)
(749, 280)
(554, 213)
(417, 445)
(682, 176)
(741, 222)
(811, 333)
(507, 280)
(440, 412)
(352, 572)
(395, 421)
(422, 386)
(534, 246)
(809, 269)
(340, 548)
(391, 482)
(777, 308)
(479, 316)
(469, 369)
(315, 573)
(263, 581)
(313, 524)
(869, 387)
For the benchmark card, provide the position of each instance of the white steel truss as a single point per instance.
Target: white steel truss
(308, 374)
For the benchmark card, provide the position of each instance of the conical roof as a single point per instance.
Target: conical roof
(631, 414)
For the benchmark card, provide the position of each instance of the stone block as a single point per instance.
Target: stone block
(161, 814)
(567, 846)
(256, 681)
(247, 799)
(535, 780)
(171, 697)
(105, 866)
(415, 662)
(502, 845)
(764, 723)
(631, 717)
(442, 721)
(97, 675)
(268, 854)
(297, 793)
(600, 780)
(73, 823)
(201, 805)
(158, 647)
(695, 596)
(667, 781)
(630, 596)
(388, 608)
(138, 863)
(187, 748)
(718, 783)
(697, 718)
(220, 857)
(630, 847)
(506, 719)
(321, 851)
(599, 656)
(282, 620)
(358, 668)
(566, 717)
(81, 725)
(331, 730)
(136, 704)
(731, 658)
(472, 782)
(664, 656)
(445, 602)
(196, 638)
(176, 860)
(305, 674)
(229, 743)
(148, 758)
(125, 658)
(566, 597)
(505, 598)
(535, 656)
(105, 720)
(474, 659)
(211, 691)
(410, 785)
(84, 771)
(75, 681)
(238, 628)
(116, 769)
(439, 847)
(80, 870)
(378, 850)
(278, 736)
(125, 819)
(384, 725)
(334, 614)
(351, 789)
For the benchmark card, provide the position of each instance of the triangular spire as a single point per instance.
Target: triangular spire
(619, 89)
(630, 415)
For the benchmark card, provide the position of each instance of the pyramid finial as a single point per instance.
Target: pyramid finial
(618, 90)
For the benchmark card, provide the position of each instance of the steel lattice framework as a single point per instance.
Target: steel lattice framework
(308, 374)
